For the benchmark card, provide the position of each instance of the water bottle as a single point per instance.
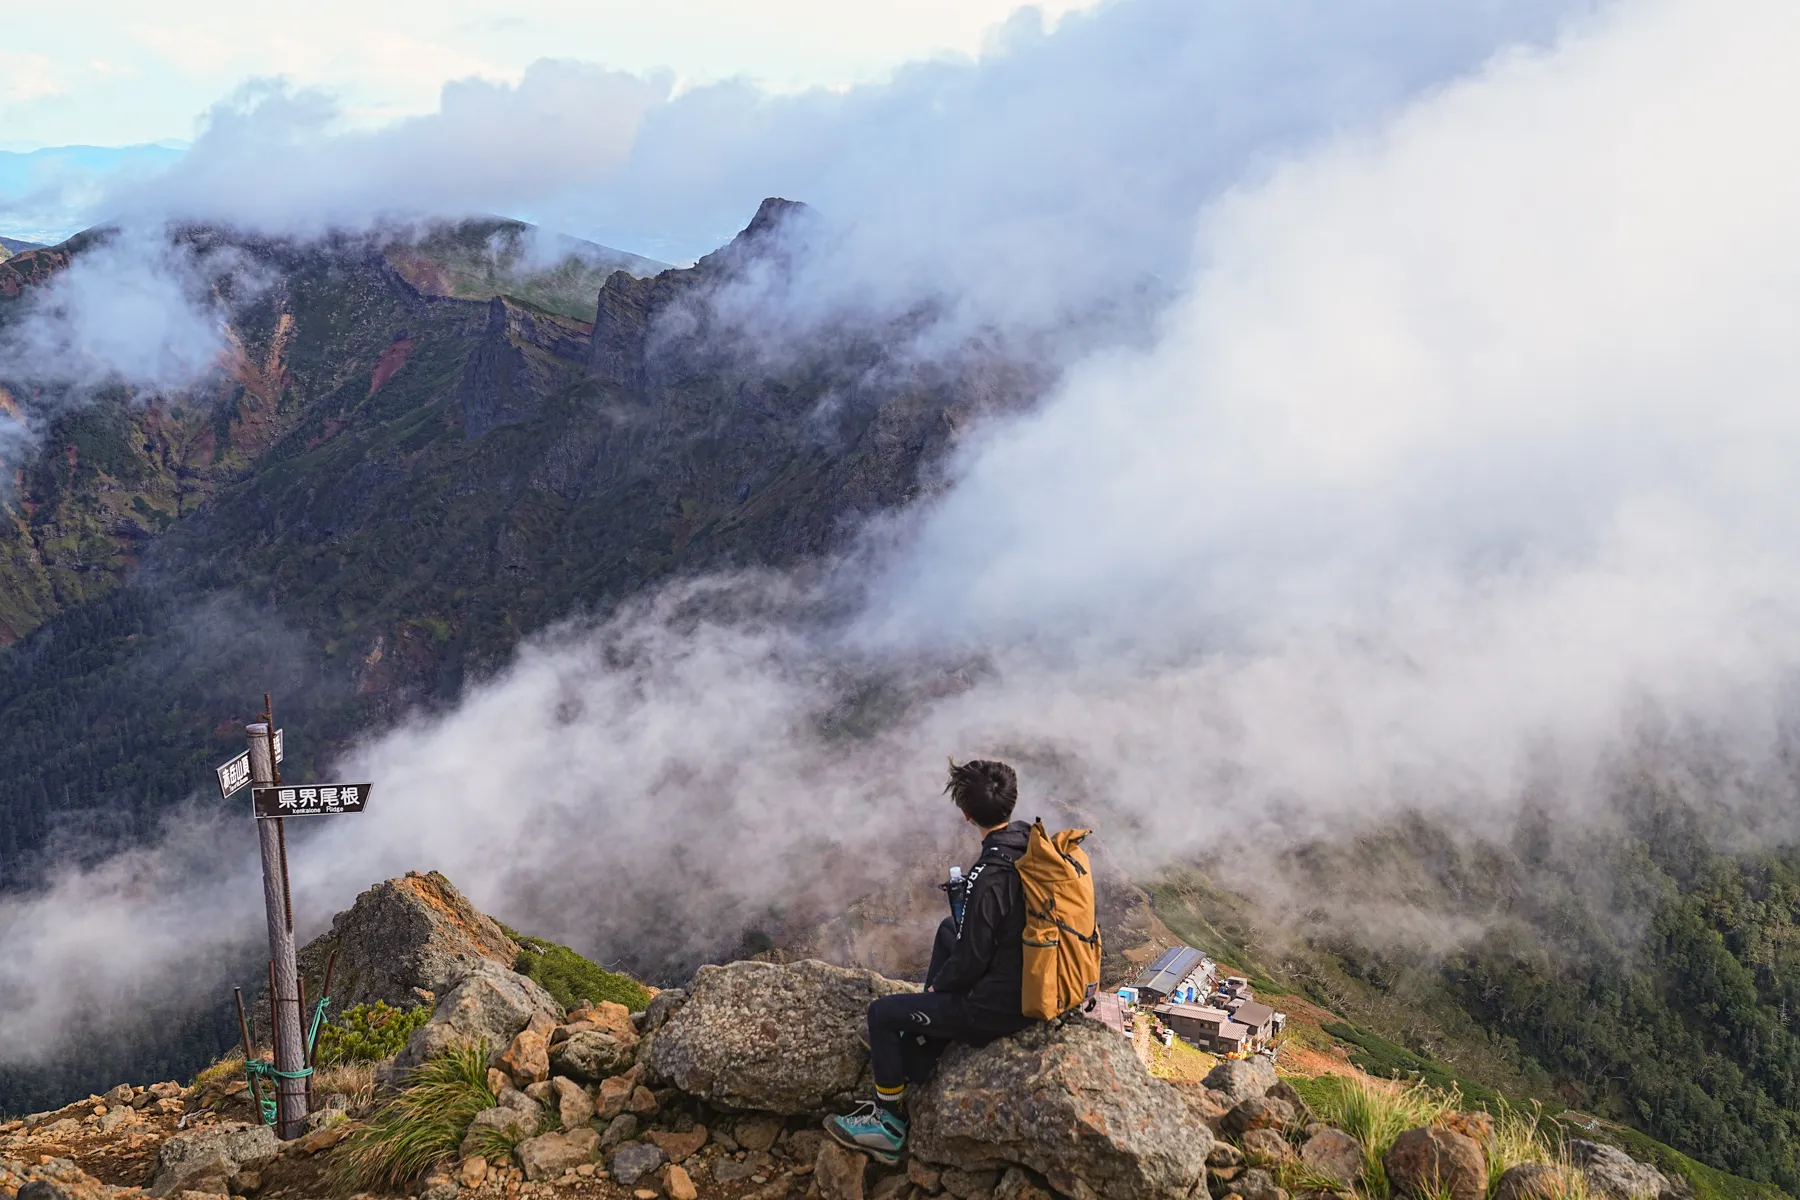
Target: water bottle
(957, 888)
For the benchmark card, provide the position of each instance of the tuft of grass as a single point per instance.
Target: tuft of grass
(1297, 1177)
(354, 1081)
(368, 1033)
(1375, 1114)
(571, 978)
(422, 1124)
(1520, 1136)
(222, 1071)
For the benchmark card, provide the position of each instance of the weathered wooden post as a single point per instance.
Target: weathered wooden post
(270, 803)
(284, 1001)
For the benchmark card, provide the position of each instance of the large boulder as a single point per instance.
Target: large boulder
(574, 1106)
(517, 1116)
(591, 1056)
(1333, 1154)
(489, 1005)
(1242, 1078)
(550, 1154)
(212, 1155)
(779, 1038)
(1436, 1163)
(1208, 1106)
(1531, 1181)
(1267, 1148)
(402, 937)
(1070, 1100)
(1615, 1175)
(634, 1160)
(1258, 1112)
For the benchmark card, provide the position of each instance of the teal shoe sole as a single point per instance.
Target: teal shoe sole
(886, 1158)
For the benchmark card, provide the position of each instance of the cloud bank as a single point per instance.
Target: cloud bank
(1055, 168)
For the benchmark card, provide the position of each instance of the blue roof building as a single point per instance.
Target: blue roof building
(1172, 968)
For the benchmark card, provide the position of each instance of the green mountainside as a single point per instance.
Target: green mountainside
(1643, 977)
(419, 452)
(478, 260)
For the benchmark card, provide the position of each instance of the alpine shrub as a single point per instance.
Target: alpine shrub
(368, 1033)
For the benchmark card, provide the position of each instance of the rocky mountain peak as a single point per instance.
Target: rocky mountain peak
(403, 936)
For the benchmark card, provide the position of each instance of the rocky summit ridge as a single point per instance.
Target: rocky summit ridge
(717, 1089)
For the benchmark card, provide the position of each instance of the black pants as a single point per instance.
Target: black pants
(908, 1032)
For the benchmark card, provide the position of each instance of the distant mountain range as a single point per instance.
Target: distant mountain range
(45, 194)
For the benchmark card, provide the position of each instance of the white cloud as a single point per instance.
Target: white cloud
(27, 77)
(1059, 170)
(134, 310)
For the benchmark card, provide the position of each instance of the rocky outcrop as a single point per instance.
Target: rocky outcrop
(1617, 1176)
(489, 1006)
(408, 935)
(525, 357)
(57, 1179)
(1241, 1078)
(768, 1037)
(1437, 1162)
(208, 1159)
(1069, 1100)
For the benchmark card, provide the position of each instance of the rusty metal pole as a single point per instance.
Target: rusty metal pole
(284, 999)
(249, 1051)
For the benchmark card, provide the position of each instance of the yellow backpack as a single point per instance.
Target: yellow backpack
(1062, 931)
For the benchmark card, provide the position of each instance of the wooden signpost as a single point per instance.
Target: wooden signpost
(271, 801)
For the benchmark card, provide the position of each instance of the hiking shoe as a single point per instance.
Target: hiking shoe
(871, 1129)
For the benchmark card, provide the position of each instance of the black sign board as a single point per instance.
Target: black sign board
(236, 773)
(309, 799)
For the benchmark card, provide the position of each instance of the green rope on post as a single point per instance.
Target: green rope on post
(258, 1068)
(312, 1035)
(263, 1069)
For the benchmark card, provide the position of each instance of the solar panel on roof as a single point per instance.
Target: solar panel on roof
(1170, 969)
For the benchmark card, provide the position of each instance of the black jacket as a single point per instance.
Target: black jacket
(987, 966)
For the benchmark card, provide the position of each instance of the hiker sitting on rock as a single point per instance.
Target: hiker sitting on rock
(973, 988)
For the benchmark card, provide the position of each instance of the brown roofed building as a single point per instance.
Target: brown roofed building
(1258, 1016)
(1207, 1028)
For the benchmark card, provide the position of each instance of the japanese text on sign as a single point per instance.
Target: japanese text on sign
(236, 773)
(310, 799)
